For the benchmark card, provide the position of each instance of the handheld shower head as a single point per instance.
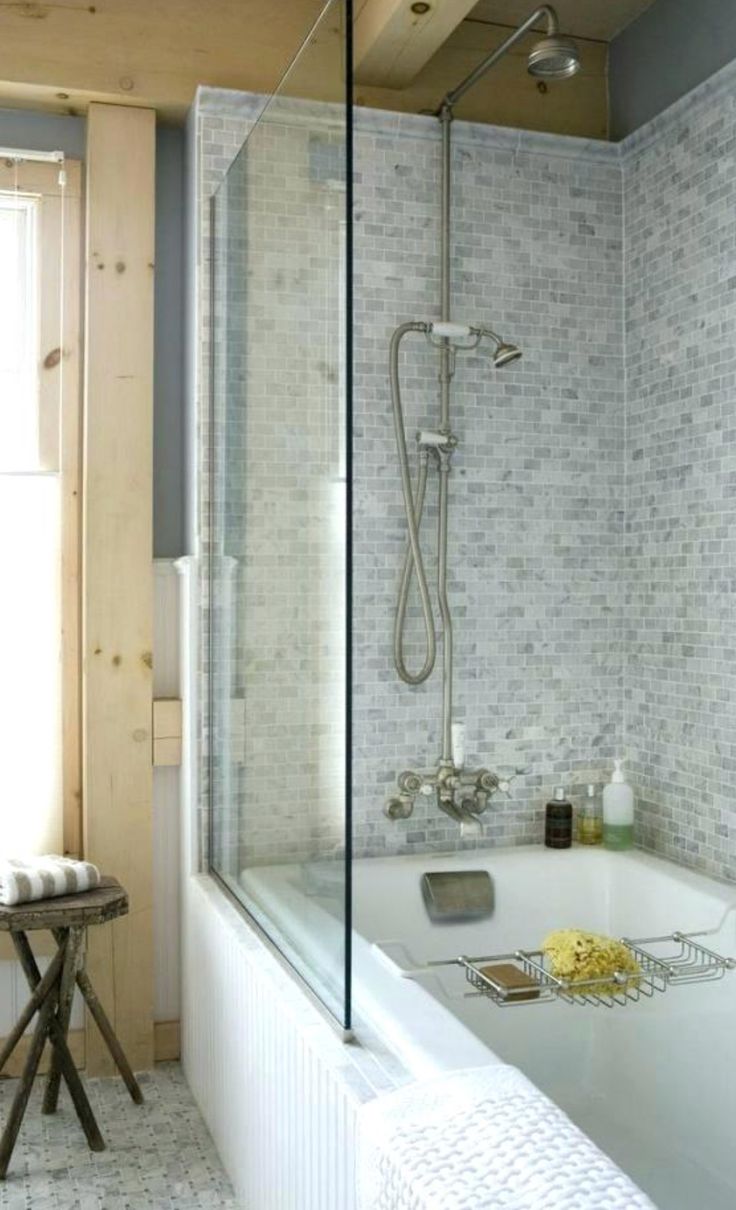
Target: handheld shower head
(554, 58)
(504, 353)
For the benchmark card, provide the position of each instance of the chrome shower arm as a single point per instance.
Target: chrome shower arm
(544, 10)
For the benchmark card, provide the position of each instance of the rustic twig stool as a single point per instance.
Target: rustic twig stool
(68, 918)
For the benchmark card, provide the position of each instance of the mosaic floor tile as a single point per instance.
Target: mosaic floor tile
(159, 1155)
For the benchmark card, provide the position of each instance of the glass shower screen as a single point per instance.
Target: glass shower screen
(279, 499)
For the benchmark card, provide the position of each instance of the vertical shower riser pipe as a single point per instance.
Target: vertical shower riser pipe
(447, 671)
(445, 118)
(445, 780)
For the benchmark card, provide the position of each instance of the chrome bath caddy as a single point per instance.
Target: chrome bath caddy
(667, 961)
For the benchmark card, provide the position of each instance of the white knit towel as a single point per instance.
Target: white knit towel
(482, 1139)
(44, 878)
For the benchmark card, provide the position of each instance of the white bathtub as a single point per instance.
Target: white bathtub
(653, 1083)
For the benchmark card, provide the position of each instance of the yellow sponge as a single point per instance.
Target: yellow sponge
(574, 954)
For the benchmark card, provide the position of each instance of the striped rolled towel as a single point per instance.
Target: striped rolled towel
(44, 878)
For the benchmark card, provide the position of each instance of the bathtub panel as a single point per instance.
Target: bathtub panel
(269, 1074)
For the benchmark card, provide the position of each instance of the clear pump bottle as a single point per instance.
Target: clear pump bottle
(618, 811)
(590, 819)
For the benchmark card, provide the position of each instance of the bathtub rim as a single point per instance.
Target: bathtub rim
(426, 1037)
(407, 1019)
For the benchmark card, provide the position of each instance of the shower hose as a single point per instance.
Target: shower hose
(414, 506)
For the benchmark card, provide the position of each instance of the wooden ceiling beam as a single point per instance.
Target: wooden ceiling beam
(153, 53)
(395, 39)
(150, 53)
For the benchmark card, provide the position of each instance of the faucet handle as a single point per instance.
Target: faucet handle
(493, 783)
(410, 782)
(487, 782)
(504, 784)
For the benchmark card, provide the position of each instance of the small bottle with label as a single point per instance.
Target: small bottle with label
(590, 819)
(558, 821)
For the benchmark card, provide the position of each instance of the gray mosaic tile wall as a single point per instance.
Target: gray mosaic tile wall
(277, 620)
(537, 486)
(220, 122)
(680, 207)
(592, 496)
(536, 520)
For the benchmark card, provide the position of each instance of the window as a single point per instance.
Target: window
(39, 507)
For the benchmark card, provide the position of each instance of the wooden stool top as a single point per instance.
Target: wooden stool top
(106, 902)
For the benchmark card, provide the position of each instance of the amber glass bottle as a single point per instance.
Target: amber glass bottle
(558, 821)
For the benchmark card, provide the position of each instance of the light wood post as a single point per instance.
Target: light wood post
(117, 564)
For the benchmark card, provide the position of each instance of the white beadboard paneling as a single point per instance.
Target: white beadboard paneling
(14, 993)
(166, 797)
(273, 1080)
(189, 570)
(166, 673)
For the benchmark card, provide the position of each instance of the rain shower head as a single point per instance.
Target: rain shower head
(554, 58)
(505, 354)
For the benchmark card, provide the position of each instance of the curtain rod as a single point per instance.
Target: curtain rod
(19, 154)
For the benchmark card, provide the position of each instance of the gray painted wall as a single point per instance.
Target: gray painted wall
(192, 221)
(169, 538)
(51, 132)
(671, 48)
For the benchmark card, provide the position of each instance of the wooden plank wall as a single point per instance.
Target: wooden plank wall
(117, 580)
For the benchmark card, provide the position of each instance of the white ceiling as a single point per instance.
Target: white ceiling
(586, 18)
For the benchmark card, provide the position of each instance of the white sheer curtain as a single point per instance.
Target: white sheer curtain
(30, 665)
(18, 333)
(30, 561)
